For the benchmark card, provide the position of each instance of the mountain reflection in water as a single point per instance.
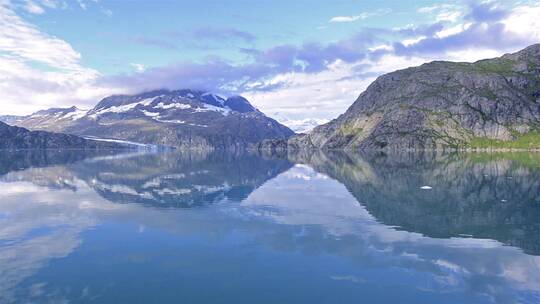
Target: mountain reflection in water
(308, 227)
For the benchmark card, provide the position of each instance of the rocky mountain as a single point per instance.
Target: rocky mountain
(182, 118)
(12, 138)
(493, 103)
(52, 120)
(10, 119)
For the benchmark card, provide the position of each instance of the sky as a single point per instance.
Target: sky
(297, 61)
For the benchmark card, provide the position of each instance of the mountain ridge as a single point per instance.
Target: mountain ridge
(17, 138)
(491, 103)
(190, 119)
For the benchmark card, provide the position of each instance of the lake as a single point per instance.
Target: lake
(214, 227)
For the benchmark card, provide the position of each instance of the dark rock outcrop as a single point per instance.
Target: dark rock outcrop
(13, 138)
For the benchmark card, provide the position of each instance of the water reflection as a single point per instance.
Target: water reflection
(117, 228)
(493, 196)
(161, 180)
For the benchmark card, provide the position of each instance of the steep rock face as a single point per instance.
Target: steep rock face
(441, 105)
(20, 138)
(182, 118)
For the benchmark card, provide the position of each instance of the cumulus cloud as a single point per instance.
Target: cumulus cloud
(38, 70)
(27, 42)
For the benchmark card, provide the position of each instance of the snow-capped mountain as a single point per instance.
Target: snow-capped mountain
(300, 125)
(180, 118)
(53, 120)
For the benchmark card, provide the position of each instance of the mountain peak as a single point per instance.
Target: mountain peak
(152, 98)
(239, 104)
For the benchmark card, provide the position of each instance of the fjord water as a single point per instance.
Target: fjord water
(242, 228)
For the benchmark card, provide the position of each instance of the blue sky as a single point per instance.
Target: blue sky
(156, 33)
(295, 60)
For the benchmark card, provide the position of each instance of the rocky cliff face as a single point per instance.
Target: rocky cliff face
(489, 103)
(12, 138)
(183, 118)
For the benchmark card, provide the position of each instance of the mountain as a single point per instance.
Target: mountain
(12, 138)
(11, 119)
(493, 103)
(52, 120)
(181, 118)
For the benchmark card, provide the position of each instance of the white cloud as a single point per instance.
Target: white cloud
(339, 19)
(82, 4)
(361, 16)
(25, 41)
(38, 70)
(524, 21)
(443, 12)
(33, 8)
(450, 16)
(38, 6)
(107, 12)
(138, 67)
(434, 8)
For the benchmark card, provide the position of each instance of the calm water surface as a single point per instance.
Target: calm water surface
(242, 228)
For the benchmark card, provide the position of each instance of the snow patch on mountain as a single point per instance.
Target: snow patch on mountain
(179, 122)
(125, 108)
(173, 191)
(207, 108)
(76, 114)
(150, 114)
(181, 106)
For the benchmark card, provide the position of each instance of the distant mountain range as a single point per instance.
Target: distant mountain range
(182, 118)
(493, 103)
(300, 126)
